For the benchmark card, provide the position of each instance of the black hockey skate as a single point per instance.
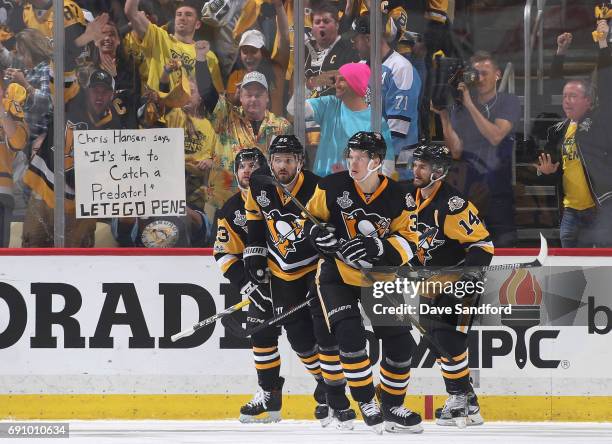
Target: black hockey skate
(399, 419)
(474, 416)
(322, 411)
(345, 419)
(265, 406)
(455, 411)
(372, 415)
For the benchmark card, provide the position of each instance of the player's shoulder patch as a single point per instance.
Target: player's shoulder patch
(410, 202)
(456, 204)
(344, 201)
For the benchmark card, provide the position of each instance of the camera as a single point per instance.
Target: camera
(448, 74)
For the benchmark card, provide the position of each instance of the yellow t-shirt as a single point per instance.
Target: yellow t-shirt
(201, 143)
(159, 47)
(577, 193)
(44, 22)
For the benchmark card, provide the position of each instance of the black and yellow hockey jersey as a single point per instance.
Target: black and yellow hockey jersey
(231, 238)
(450, 231)
(290, 254)
(339, 201)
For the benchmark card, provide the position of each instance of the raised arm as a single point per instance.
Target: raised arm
(140, 23)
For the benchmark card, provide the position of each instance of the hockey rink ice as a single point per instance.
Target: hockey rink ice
(310, 432)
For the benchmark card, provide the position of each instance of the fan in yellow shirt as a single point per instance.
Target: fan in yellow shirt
(159, 46)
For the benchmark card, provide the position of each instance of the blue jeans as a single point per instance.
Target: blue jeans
(576, 228)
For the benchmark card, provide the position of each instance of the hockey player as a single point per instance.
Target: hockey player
(366, 224)
(457, 236)
(229, 245)
(277, 246)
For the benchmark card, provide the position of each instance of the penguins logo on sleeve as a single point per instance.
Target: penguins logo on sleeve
(367, 224)
(285, 231)
(428, 243)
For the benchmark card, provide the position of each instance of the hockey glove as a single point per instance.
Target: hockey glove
(323, 239)
(258, 295)
(365, 248)
(470, 284)
(256, 263)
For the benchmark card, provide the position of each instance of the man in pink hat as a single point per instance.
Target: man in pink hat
(341, 116)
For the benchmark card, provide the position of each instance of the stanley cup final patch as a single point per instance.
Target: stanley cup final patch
(240, 220)
(262, 200)
(344, 201)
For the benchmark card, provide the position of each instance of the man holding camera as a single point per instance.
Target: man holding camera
(478, 129)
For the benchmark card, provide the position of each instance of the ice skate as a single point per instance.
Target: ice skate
(265, 406)
(372, 415)
(455, 411)
(474, 416)
(399, 419)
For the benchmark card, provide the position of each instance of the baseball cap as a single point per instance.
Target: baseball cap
(254, 77)
(252, 37)
(101, 77)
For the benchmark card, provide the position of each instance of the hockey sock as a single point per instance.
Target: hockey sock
(333, 375)
(354, 358)
(456, 374)
(267, 364)
(394, 379)
(310, 359)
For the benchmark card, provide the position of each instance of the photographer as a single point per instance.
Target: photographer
(478, 130)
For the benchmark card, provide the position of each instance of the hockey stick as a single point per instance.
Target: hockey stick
(237, 330)
(537, 262)
(210, 320)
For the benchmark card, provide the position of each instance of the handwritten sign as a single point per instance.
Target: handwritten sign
(130, 173)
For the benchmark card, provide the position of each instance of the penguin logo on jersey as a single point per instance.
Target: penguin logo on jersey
(359, 222)
(344, 201)
(262, 199)
(240, 220)
(427, 242)
(285, 231)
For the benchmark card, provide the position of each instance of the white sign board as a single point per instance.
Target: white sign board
(130, 173)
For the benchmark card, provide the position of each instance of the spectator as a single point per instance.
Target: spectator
(341, 116)
(400, 93)
(91, 108)
(110, 56)
(245, 126)
(253, 56)
(479, 130)
(577, 156)
(13, 138)
(159, 46)
(35, 51)
(327, 51)
(221, 18)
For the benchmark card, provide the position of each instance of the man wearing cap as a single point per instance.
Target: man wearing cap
(248, 125)
(341, 116)
(92, 108)
(254, 56)
(13, 138)
(401, 86)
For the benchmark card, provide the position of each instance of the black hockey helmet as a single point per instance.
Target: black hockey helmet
(249, 154)
(439, 156)
(286, 144)
(369, 141)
